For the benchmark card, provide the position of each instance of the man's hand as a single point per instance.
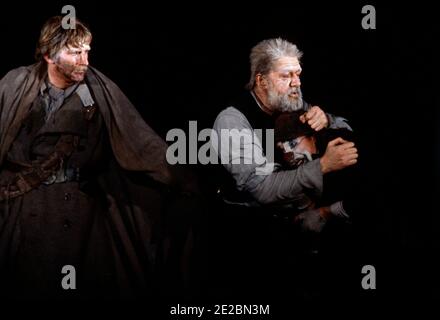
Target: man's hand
(338, 155)
(316, 118)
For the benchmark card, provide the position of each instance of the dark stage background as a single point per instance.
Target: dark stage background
(181, 63)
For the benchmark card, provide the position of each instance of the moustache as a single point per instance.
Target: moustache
(80, 69)
(292, 91)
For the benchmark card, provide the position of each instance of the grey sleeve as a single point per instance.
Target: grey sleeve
(335, 122)
(337, 209)
(286, 186)
(245, 160)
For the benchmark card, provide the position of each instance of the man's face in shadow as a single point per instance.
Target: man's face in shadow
(70, 64)
(299, 150)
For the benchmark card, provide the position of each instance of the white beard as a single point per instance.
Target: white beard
(282, 102)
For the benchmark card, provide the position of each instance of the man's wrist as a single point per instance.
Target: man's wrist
(328, 120)
(324, 167)
(325, 213)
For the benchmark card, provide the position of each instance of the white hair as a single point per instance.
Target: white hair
(265, 53)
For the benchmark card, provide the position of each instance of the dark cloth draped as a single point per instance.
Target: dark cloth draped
(134, 214)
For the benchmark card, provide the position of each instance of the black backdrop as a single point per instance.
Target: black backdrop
(181, 63)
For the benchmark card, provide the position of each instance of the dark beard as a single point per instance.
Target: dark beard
(69, 72)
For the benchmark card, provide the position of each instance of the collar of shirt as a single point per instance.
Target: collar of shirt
(80, 88)
(48, 88)
(260, 104)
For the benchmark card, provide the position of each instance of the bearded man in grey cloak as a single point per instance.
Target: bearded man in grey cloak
(84, 183)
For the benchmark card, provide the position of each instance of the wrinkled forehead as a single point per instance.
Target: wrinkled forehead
(286, 64)
(79, 44)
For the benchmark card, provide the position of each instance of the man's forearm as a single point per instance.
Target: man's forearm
(288, 185)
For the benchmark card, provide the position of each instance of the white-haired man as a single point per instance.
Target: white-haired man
(255, 189)
(274, 87)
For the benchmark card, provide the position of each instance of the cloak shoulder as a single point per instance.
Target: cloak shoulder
(18, 89)
(135, 145)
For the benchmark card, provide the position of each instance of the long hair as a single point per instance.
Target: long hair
(265, 53)
(54, 37)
